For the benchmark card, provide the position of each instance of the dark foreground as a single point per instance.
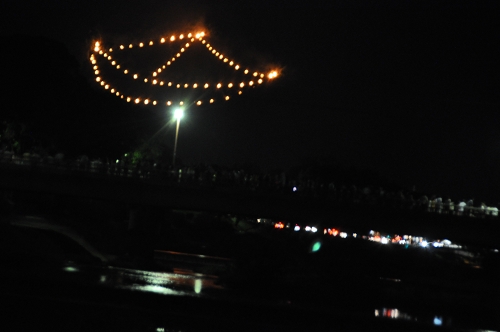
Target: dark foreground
(265, 279)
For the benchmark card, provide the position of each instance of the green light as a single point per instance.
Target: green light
(316, 246)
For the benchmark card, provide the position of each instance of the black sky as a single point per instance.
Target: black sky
(410, 89)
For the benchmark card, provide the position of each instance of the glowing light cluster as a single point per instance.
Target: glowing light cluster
(254, 77)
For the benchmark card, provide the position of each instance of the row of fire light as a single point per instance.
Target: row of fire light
(198, 36)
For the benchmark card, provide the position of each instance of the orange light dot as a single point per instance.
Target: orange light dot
(169, 103)
(206, 85)
(150, 42)
(113, 62)
(178, 86)
(259, 81)
(213, 51)
(231, 63)
(169, 83)
(236, 67)
(172, 38)
(221, 56)
(189, 35)
(181, 36)
(125, 71)
(128, 99)
(161, 83)
(98, 79)
(93, 62)
(198, 102)
(210, 48)
(122, 47)
(155, 81)
(242, 84)
(145, 80)
(203, 41)
(246, 71)
(181, 103)
(117, 93)
(211, 101)
(137, 100)
(178, 54)
(195, 86)
(187, 45)
(163, 66)
(96, 72)
(159, 70)
(192, 39)
(120, 96)
(186, 86)
(101, 52)
(146, 101)
(255, 74)
(154, 102)
(219, 86)
(217, 54)
(154, 74)
(106, 86)
(227, 98)
(110, 50)
(109, 57)
(135, 76)
(226, 60)
(112, 90)
(130, 46)
(239, 92)
(141, 44)
(250, 83)
(182, 49)
(230, 85)
(162, 40)
(168, 63)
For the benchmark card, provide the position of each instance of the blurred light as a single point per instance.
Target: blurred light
(316, 246)
(230, 85)
(343, 235)
(198, 102)
(154, 74)
(154, 81)
(206, 85)
(145, 80)
(260, 81)
(219, 85)
(296, 228)
(231, 63)
(178, 113)
(98, 79)
(189, 35)
(314, 229)
(181, 103)
(211, 101)
(423, 244)
(438, 321)
(181, 36)
(150, 43)
(130, 46)
(141, 44)
(169, 103)
(239, 92)
(195, 86)
(125, 71)
(237, 67)
(128, 99)
(294, 189)
(187, 45)
(186, 86)
(227, 98)
(161, 82)
(279, 225)
(246, 71)
(308, 228)
(384, 240)
(172, 38)
(162, 40)
(242, 84)
(118, 67)
(135, 76)
(106, 86)
(122, 47)
(154, 102)
(146, 101)
(354, 235)
(137, 100)
(113, 63)
(169, 84)
(255, 74)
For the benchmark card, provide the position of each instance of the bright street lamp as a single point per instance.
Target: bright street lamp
(178, 113)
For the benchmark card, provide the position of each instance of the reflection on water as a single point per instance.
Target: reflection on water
(165, 283)
(394, 313)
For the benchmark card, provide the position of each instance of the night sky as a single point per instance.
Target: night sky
(408, 89)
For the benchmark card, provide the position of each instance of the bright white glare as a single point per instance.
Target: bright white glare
(308, 228)
(296, 228)
(354, 235)
(178, 113)
(343, 235)
(423, 244)
(294, 188)
(314, 229)
(384, 240)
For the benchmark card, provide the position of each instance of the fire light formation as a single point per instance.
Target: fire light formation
(205, 92)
